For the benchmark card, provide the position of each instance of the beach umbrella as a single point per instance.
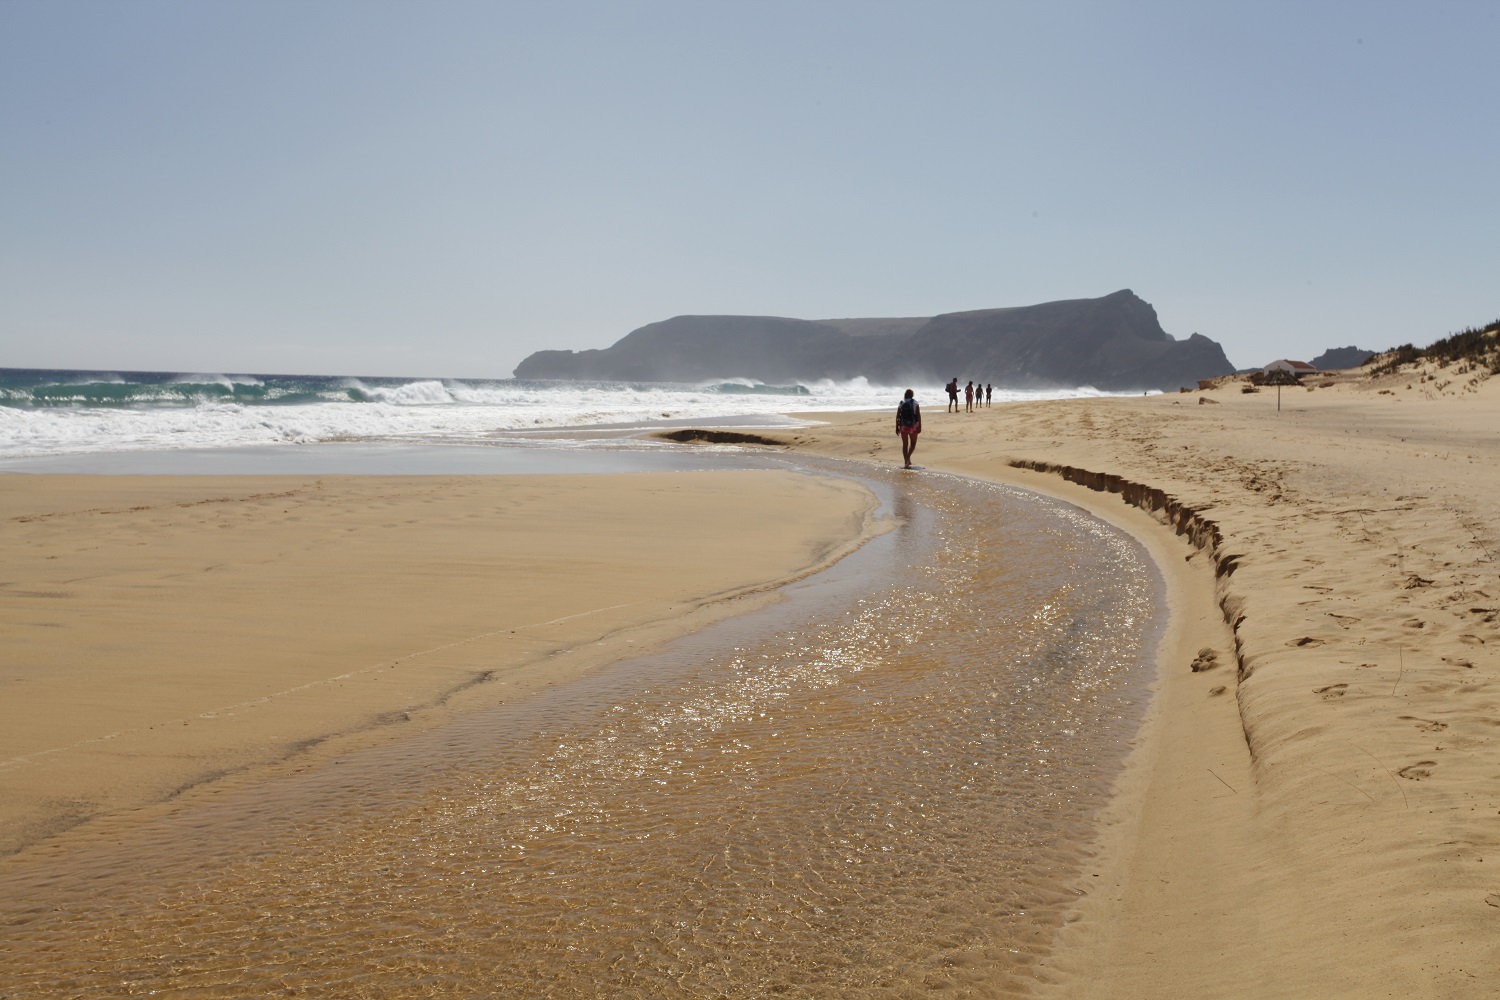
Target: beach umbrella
(1279, 377)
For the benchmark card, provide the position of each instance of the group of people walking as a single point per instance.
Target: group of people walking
(974, 395)
(909, 413)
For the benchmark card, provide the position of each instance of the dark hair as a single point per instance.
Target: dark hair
(910, 393)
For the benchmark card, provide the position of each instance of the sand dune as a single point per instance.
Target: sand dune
(1314, 807)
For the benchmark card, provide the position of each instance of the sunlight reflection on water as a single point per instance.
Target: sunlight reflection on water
(876, 788)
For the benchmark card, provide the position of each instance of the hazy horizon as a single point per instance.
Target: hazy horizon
(1307, 355)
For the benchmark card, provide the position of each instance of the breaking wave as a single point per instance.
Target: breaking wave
(49, 412)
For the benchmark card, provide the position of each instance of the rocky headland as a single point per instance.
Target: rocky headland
(1114, 343)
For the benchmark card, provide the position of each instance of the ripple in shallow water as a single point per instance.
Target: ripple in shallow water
(876, 789)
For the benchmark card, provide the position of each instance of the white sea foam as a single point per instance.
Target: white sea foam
(420, 410)
(227, 381)
(430, 393)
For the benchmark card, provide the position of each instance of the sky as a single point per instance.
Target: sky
(441, 188)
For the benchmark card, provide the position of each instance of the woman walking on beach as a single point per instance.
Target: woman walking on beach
(908, 425)
(969, 398)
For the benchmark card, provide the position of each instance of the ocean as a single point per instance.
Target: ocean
(45, 413)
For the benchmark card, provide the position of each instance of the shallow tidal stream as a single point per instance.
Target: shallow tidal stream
(880, 787)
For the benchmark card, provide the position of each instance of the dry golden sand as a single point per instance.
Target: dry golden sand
(1326, 824)
(1317, 813)
(159, 632)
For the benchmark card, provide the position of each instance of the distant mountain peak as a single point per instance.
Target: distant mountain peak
(1337, 358)
(1113, 343)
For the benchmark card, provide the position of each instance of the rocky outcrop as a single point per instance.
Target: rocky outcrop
(699, 348)
(1112, 343)
(1337, 358)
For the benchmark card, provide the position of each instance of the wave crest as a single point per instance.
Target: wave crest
(426, 393)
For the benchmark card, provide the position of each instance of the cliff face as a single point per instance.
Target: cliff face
(1111, 343)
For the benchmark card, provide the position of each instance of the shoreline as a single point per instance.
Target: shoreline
(815, 692)
(1311, 809)
(168, 631)
(1322, 826)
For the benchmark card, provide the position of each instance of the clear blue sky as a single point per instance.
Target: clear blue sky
(440, 188)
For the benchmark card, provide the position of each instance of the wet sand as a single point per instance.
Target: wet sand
(1314, 809)
(878, 786)
(160, 632)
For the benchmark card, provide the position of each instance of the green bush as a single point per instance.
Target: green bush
(1470, 344)
(1478, 345)
(1395, 358)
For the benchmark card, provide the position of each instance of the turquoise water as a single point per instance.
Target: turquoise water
(47, 414)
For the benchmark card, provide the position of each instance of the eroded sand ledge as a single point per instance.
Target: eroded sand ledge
(163, 631)
(1316, 813)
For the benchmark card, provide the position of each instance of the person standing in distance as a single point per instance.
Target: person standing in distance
(908, 425)
(952, 388)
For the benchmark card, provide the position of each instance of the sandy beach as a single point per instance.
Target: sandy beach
(164, 631)
(1313, 807)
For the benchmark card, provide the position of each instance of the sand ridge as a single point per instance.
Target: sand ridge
(1314, 806)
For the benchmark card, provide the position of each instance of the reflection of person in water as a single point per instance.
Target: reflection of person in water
(908, 425)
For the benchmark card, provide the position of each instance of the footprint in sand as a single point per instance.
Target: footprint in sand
(1344, 621)
(1331, 691)
(1206, 659)
(1428, 725)
(1414, 623)
(1458, 662)
(1471, 640)
(1416, 772)
(1306, 640)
